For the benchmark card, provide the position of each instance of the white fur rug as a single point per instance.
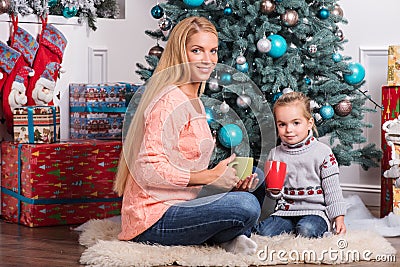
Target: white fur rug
(103, 249)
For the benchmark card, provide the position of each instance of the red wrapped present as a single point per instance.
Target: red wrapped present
(36, 124)
(390, 111)
(59, 183)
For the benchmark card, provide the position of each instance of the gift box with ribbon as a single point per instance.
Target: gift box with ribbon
(97, 110)
(60, 183)
(36, 124)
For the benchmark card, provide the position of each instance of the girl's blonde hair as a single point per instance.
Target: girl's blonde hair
(293, 97)
(170, 70)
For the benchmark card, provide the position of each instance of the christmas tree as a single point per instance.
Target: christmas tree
(278, 46)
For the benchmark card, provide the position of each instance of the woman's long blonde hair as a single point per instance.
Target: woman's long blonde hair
(170, 70)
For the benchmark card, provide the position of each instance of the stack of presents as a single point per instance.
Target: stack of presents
(47, 181)
(390, 181)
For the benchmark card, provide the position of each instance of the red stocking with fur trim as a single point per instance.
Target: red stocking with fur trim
(46, 65)
(15, 86)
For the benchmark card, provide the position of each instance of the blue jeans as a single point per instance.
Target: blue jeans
(212, 219)
(307, 226)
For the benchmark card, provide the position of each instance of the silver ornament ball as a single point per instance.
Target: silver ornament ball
(241, 60)
(264, 45)
(213, 85)
(243, 101)
(224, 108)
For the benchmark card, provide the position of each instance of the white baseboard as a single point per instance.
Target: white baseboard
(370, 194)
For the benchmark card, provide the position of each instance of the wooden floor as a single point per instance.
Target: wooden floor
(58, 246)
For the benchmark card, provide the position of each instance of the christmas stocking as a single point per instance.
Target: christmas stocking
(8, 59)
(52, 44)
(26, 45)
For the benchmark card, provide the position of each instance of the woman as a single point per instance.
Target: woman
(167, 150)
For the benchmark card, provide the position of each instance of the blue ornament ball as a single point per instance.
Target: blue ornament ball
(52, 3)
(209, 115)
(357, 73)
(226, 78)
(193, 3)
(327, 112)
(70, 12)
(323, 13)
(228, 10)
(230, 135)
(336, 57)
(157, 12)
(278, 46)
(243, 67)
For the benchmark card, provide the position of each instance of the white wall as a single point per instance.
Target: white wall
(118, 44)
(371, 29)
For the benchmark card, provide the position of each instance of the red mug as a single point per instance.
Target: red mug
(275, 173)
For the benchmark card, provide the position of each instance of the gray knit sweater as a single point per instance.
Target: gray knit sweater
(312, 182)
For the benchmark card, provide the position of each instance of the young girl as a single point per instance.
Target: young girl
(311, 199)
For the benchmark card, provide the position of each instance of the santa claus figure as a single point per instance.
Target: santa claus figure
(17, 97)
(43, 92)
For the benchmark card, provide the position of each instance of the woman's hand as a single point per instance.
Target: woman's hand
(225, 175)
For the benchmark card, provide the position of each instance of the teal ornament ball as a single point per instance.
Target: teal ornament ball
(52, 3)
(70, 12)
(157, 12)
(193, 3)
(230, 135)
(228, 10)
(323, 13)
(276, 96)
(278, 46)
(336, 57)
(327, 112)
(226, 78)
(357, 73)
(307, 80)
(209, 115)
(243, 67)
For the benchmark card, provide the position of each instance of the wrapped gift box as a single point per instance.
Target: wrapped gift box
(396, 200)
(60, 183)
(393, 77)
(36, 124)
(97, 110)
(390, 111)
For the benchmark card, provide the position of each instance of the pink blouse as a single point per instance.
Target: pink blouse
(177, 140)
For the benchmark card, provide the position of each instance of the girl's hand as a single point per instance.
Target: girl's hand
(246, 184)
(339, 225)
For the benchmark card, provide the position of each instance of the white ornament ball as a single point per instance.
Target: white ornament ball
(264, 45)
(224, 107)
